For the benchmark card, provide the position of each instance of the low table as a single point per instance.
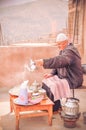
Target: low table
(44, 108)
(12, 97)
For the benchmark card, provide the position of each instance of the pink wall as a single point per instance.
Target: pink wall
(13, 59)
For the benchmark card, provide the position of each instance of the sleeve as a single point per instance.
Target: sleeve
(54, 72)
(59, 61)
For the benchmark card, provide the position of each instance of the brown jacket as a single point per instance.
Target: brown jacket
(67, 65)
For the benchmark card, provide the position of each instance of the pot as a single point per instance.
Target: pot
(71, 106)
(35, 86)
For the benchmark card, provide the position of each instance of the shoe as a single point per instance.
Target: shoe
(55, 112)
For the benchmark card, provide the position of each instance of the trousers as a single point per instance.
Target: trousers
(57, 103)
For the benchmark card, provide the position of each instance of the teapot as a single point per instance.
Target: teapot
(71, 107)
(35, 86)
(31, 66)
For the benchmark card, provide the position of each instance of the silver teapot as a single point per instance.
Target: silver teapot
(31, 66)
(35, 85)
(71, 106)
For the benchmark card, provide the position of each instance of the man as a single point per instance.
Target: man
(66, 71)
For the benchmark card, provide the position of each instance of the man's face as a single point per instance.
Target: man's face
(62, 45)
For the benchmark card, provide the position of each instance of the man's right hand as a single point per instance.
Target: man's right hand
(39, 62)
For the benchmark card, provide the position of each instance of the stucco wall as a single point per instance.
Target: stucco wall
(13, 59)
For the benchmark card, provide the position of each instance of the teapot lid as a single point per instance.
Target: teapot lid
(73, 99)
(35, 83)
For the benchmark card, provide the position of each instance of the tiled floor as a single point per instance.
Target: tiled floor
(7, 121)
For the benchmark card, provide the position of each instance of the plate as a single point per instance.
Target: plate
(36, 100)
(15, 91)
(16, 101)
(32, 101)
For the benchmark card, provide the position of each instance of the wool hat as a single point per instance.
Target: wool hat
(61, 37)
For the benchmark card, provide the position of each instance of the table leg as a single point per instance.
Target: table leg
(11, 104)
(12, 97)
(17, 120)
(50, 114)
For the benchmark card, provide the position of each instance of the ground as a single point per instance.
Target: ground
(7, 120)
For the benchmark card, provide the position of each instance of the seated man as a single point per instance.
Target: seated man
(66, 71)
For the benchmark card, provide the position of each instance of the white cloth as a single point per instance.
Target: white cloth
(59, 87)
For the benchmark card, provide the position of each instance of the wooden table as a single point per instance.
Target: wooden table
(45, 108)
(12, 97)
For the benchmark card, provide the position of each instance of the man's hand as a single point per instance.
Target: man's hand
(39, 62)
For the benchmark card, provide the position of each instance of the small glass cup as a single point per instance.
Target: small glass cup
(43, 93)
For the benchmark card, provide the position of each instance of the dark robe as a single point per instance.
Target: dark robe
(66, 65)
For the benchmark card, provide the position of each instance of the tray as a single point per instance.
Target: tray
(15, 91)
(32, 101)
